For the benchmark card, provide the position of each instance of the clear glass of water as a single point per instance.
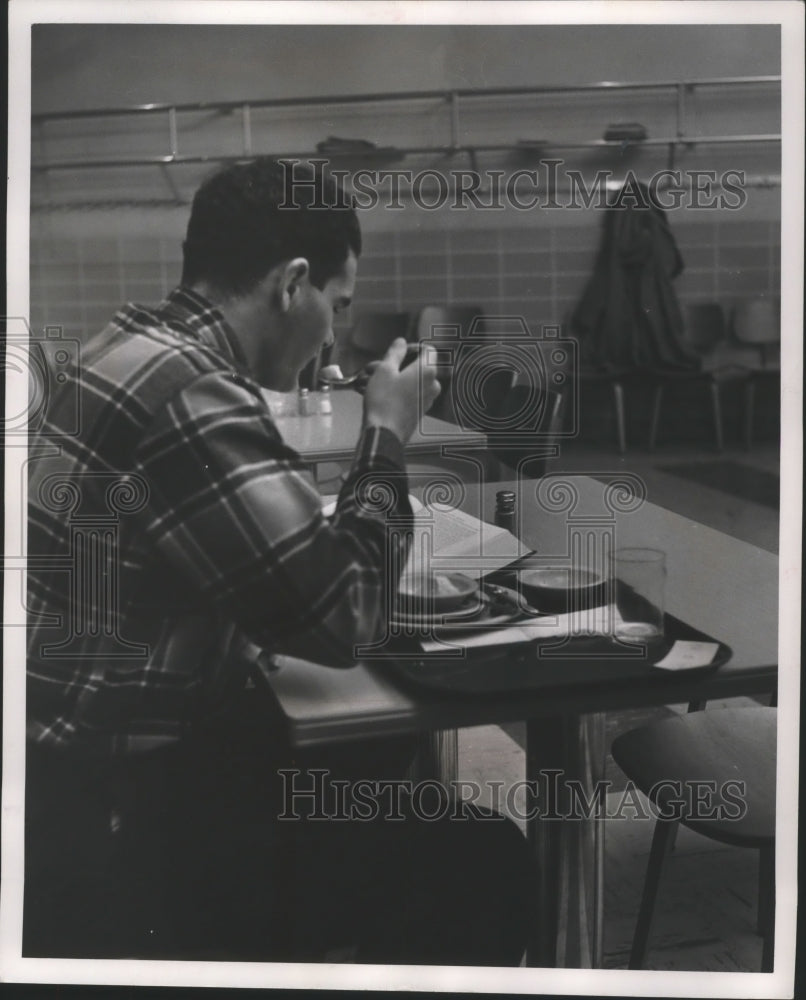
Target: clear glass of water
(640, 583)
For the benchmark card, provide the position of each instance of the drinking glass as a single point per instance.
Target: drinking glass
(640, 580)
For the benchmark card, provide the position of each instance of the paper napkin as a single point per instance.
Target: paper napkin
(686, 655)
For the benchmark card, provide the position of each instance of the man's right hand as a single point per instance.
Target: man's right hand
(396, 398)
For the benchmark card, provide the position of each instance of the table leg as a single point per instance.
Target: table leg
(565, 760)
(437, 757)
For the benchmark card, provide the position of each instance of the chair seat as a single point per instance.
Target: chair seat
(727, 745)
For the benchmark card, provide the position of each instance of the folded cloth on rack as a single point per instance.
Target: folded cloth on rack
(625, 131)
(333, 144)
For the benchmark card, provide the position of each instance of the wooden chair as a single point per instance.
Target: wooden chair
(756, 323)
(736, 745)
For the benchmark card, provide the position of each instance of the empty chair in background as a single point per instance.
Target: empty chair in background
(530, 422)
(704, 333)
(756, 325)
(614, 381)
(613, 377)
(482, 413)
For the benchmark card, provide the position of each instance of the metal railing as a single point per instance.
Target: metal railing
(456, 102)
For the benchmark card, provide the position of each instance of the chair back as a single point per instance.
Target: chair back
(704, 326)
(757, 321)
(757, 324)
(477, 403)
(528, 427)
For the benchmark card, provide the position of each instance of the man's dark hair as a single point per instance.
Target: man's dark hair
(249, 217)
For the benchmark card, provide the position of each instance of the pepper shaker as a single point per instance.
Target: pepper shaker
(505, 510)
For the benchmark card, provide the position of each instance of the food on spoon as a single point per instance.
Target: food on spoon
(332, 373)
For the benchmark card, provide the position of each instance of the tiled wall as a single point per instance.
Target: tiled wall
(540, 273)
(78, 281)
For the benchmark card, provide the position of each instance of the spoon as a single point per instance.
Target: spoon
(505, 596)
(332, 374)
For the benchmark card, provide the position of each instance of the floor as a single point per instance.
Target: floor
(705, 919)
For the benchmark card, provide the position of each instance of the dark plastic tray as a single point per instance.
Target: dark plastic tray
(580, 661)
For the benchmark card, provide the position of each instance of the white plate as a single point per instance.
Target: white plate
(476, 615)
(474, 608)
(453, 591)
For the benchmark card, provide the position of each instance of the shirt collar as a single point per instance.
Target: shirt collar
(205, 322)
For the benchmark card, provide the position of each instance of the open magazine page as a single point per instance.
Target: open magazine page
(446, 538)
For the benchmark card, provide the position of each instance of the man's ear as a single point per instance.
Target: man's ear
(294, 273)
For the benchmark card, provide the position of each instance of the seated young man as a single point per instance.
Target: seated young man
(174, 540)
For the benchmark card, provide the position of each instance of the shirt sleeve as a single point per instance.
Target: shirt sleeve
(233, 513)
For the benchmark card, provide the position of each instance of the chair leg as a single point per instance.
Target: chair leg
(618, 403)
(766, 906)
(661, 845)
(657, 400)
(716, 406)
(749, 407)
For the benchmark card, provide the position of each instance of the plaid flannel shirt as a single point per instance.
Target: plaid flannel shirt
(175, 537)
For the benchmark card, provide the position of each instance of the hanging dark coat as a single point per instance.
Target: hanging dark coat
(629, 316)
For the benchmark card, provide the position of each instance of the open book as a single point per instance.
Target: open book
(448, 539)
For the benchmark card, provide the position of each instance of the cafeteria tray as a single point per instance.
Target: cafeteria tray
(586, 661)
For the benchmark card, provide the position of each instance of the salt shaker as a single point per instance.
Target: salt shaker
(325, 400)
(505, 510)
(304, 403)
